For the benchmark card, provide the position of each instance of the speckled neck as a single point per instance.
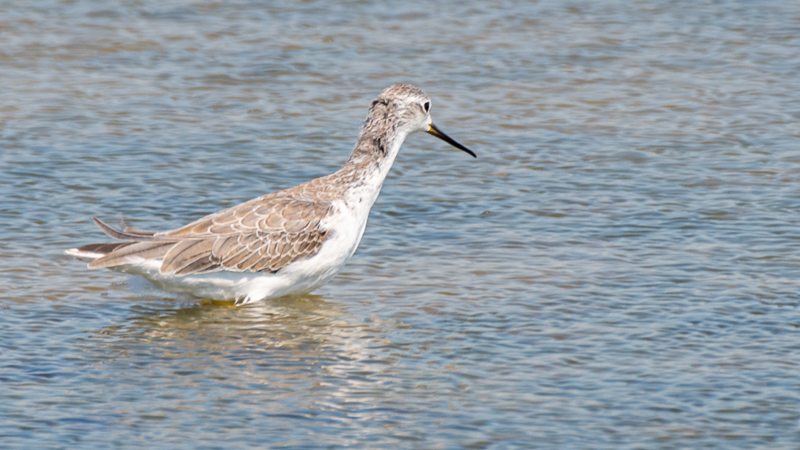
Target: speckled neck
(377, 146)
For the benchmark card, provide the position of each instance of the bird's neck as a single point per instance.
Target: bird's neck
(369, 163)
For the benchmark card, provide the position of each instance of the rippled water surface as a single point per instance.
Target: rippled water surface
(618, 269)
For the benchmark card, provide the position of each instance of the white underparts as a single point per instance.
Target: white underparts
(346, 225)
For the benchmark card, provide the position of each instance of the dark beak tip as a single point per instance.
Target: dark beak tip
(435, 131)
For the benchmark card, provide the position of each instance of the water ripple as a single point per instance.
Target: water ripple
(616, 270)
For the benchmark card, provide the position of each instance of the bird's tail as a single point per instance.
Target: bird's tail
(136, 245)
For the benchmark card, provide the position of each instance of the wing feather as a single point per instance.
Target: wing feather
(233, 262)
(135, 250)
(262, 235)
(223, 245)
(200, 265)
(184, 253)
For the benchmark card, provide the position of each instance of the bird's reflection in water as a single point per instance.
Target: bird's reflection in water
(216, 327)
(306, 349)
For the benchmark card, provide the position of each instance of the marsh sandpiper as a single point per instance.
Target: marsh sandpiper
(285, 243)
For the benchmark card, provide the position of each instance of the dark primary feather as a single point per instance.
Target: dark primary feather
(106, 247)
(121, 254)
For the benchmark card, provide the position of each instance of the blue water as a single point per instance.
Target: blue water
(617, 270)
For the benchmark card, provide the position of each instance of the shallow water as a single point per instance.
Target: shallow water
(618, 269)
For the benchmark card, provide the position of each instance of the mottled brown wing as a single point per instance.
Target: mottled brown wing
(263, 235)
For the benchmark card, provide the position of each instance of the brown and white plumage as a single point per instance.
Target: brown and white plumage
(262, 235)
(286, 242)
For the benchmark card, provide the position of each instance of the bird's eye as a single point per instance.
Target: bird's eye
(426, 106)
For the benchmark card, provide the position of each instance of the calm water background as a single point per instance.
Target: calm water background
(618, 269)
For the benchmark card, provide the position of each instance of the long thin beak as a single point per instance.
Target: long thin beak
(438, 133)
